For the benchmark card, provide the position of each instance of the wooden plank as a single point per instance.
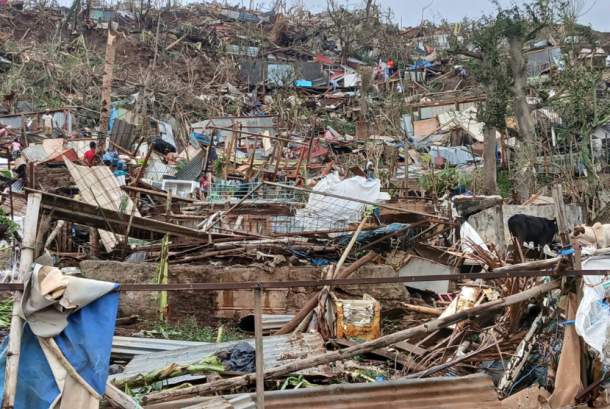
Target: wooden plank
(64, 208)
(562, 220)
(107, 83)
(409, 347)
(402, 360)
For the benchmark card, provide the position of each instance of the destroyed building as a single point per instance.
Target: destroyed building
(208, 206)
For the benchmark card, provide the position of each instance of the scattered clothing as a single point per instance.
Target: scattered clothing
(80, 315)
(240, 358)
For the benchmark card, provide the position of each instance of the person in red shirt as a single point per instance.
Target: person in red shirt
(391, 67)
(90, 155)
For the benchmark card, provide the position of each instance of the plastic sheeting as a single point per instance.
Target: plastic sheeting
(324, 212)
(593, 315)
(370, 235)
(86, 343)
(470, 235)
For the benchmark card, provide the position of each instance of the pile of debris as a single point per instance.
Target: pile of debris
(271, 191)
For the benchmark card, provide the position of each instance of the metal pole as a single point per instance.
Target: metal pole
(258, 339)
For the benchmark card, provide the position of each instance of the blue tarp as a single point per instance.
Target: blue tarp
(419, 64)
(303, 84)
(370, 235)
(86, 343)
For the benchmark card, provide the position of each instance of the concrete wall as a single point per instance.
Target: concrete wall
(209, 305)
(485, 222)
(144, 304)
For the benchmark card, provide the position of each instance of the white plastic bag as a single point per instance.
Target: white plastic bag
(593, 315)
(470, 235)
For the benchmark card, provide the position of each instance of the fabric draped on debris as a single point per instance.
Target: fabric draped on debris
(592, 320)
(68, 316)
(326, 213)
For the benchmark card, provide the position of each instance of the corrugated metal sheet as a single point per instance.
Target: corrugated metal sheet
(271, 322)
(128, 347)
(101, 15)
(236, 49)
(99, 187)
(435, 393)
(454, 155)
(193, 169)
(277, 350)
(122, 134)
(34, 153)
(539, 61)
(280, 74)
(156, 168)
(468, 392)
(432, 111)
(256, 125)
(61, 119)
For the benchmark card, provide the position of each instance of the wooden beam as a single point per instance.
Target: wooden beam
(107, 83)
(157, 193)
(119, 399)
(64, 208)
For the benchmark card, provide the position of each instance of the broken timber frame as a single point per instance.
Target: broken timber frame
(67, 209)
(380, 205)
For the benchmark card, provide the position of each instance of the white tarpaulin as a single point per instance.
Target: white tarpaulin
(470, 236)
(593, 316)
(325, 212)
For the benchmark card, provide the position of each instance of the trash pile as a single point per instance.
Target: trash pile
(312, 208)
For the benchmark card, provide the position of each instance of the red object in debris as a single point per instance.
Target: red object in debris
(3, 3)
(320, 58)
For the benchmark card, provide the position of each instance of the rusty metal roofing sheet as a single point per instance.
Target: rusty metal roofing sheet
(474, 391)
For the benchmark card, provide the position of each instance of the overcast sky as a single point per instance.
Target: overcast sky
(409, 12)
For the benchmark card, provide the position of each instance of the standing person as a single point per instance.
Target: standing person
(90, 156)
(391, 67)
(16, 148)
(47, 123)
(204, 185)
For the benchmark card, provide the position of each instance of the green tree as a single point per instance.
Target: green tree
(484, 39)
